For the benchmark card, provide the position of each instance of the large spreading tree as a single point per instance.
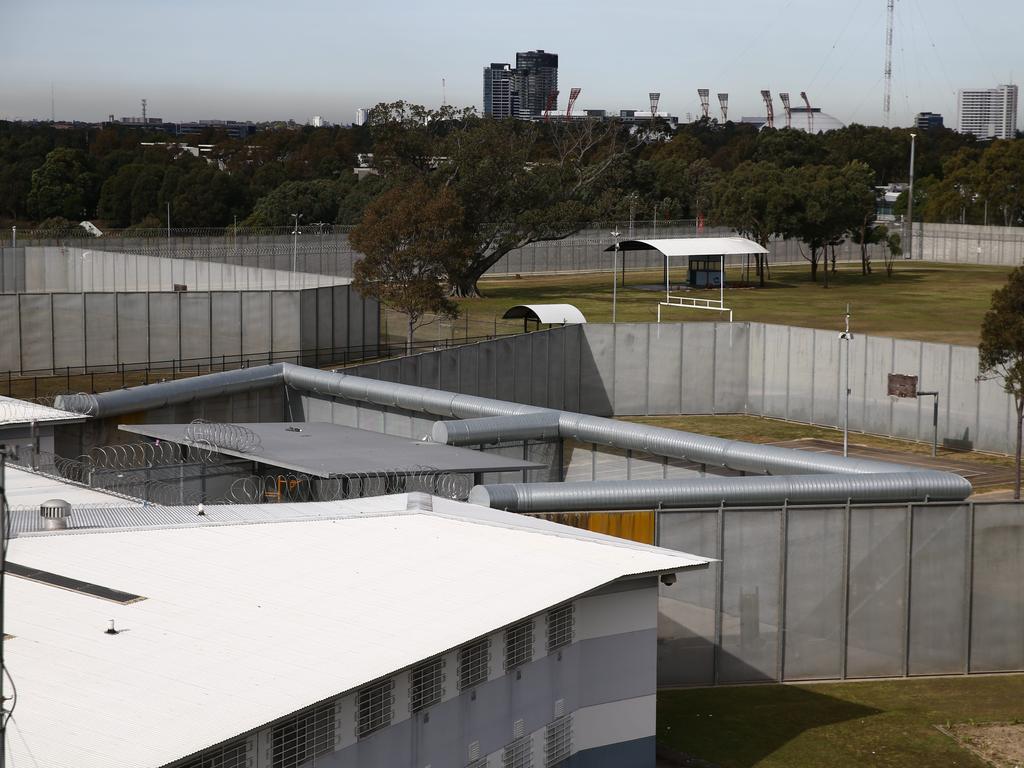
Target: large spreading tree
(517, 182)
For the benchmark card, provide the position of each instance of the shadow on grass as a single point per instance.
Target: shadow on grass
(735, 727)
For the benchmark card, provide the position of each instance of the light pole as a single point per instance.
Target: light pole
(295, 238)
(847, 337)
(910, 202)
(615, 272)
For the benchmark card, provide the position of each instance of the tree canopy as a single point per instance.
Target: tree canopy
(1001, 351)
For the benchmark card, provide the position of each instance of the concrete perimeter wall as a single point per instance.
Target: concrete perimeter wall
(98, 331)
(786, 372)
(970, 244)
(811, 593)
(51, 268)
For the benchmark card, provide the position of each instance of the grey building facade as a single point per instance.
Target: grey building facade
(501, 94)
(538, 75)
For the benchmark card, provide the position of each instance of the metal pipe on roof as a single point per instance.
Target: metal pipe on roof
(542, 425)
(808, 476)
(712, 491)
(151, 396)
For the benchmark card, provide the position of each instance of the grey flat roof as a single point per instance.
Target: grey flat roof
(331, 450)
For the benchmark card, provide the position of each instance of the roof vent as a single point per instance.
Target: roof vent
(55, 514)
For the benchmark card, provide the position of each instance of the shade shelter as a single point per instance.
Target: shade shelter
(702, 255)
(548, 314)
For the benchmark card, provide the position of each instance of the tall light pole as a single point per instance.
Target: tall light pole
(615, 271)
(910, 202)
(846, 337)
(295, 238)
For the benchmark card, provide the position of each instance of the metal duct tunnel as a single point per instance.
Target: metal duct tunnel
(780, 475)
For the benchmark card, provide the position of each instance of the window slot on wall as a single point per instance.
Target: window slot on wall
(518, 644)
(303, 737)
(373, 707)
(474, 664)
(426, 685)
(560, 626)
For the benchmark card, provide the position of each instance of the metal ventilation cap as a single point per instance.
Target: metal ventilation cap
(55, 514)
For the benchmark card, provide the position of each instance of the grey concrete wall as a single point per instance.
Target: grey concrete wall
(970, 244)
(785, 372)
(99, 331)
(797, 374)
(51, 269)
(844, 592)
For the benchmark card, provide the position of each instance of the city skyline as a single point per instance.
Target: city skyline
(220, 61)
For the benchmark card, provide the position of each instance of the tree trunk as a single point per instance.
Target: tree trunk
(411, 329)
(814, 265)
(1020, 425)
(760, 269)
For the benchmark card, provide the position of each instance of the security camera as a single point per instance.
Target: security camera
(846, 336)
(668, 579)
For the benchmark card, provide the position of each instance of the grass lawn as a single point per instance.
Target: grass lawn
(872, 723)
(933, 302)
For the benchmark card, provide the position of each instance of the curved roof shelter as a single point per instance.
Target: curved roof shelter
(702, 250)
(553, 314)
(693, 246)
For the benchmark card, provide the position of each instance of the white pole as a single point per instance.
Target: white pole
(910, 202)
(295, 238)
(721, 282)
(847, 337)
(615, 270)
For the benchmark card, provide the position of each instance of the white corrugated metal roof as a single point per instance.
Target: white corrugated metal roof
(244, 624)
(26, 488)
(14, 411)
(693, 246)
(547, 313)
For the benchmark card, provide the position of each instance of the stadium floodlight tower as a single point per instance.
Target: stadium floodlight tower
(654, 98)
(810, 112)
(723, 102)
(784, 97)
(574, 94)
(769, 109)
(705, 101)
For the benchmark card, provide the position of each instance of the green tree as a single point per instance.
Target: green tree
(755, 200)
(206, 197)
(1000, 180)
(828, 202)
(1001, 351)
(408, 235)
(316, 200)
(63, 185)
(514, 187)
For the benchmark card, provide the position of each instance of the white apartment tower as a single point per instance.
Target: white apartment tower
(988, 113)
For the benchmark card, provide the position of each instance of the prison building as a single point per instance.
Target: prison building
(401, 630)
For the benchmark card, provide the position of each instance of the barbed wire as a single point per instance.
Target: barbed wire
(232, 437)
(298, 486)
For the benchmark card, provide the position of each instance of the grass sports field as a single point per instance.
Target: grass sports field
(933, 302)
(840, 725)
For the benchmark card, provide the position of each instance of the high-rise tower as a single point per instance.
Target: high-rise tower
(988, 113)
(501, 96)
(536, 75)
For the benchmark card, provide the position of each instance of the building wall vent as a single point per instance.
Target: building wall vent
(55, 514)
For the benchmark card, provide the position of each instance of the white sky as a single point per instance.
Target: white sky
(263, 60)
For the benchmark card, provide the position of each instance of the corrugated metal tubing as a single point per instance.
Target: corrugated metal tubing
(806, 476)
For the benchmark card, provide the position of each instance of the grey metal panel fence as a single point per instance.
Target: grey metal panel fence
(862, 591)
(102, 331)
(970, 244)
(795, 374)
